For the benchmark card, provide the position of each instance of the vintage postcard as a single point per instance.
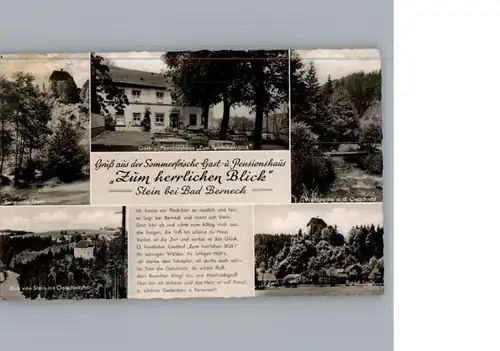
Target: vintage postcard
(191, 174)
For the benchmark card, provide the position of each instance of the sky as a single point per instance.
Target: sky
(276, 219)
(341, 62)
(48, 218)
(151, 62)
(42, 65)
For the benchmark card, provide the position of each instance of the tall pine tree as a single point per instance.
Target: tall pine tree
(342, 121)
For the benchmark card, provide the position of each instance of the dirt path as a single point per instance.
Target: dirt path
(76, 193)
(355, 185)
(9, 288)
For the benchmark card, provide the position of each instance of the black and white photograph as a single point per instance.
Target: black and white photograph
(190, 100)
(319, 249)
(63, 252)
(44, 129)
(336, 130)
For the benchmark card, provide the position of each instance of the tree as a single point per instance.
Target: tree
(363, 88)
(66, 156)
(204, 78)
(328, 87)
(341, 122)
(8, 102)
(299, 106)
(146, 121)
(313, 99)
(268, 76)
(193, 79)
(29, 121)
(104, 92)
(311, 170)
(85, 97)
(279, 122)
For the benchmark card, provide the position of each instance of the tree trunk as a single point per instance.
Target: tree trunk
(259, 103)
(225, 117)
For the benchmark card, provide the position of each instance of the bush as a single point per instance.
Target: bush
(109, 123)
(373, 162)
(371, 137)
(146, 121)
(312, 172)
(66, 156)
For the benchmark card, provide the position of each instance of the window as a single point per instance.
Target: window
(192, 119)
(119, 118)
(159, 97)
(136, 121)
(160, 118)
(136, 95)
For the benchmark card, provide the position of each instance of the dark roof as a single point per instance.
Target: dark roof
(135, 77)
(316, 220)
(83, 244)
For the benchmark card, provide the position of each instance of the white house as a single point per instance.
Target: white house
(147, 90)
(84, 249)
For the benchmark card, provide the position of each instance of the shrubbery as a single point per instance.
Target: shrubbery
(360, 255)
(371, 136)
(311, 170)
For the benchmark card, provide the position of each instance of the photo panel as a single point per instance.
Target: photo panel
(190, 100)
(336, 131)
(319, 249)
(44, 129)
(150, 111)
(63, 252)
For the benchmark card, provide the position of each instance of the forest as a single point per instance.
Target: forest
(360, 254)
(43, 134)
(56, 274)
(344, 111)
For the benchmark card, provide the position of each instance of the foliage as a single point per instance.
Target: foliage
(59, 275)
(146, 121)
(363, 88)
(40, 133)
(311, 170)
(109, 123)
(66, 156)
(104, 92)
(360, 254)
(258, 79)
(331, 112)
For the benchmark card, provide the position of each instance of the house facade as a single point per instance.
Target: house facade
(148, 91)
(84, 249)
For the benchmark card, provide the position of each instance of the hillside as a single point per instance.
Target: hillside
(372, 114)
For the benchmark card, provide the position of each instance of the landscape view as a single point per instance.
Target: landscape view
(319, 249)
(336, 126)
(44, 129)
(71, 252)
